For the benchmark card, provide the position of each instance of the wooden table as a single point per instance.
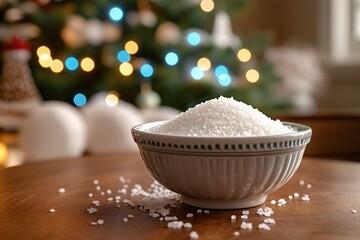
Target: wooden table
(28, 192)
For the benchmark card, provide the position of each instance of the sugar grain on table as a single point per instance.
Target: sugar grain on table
(221, 117)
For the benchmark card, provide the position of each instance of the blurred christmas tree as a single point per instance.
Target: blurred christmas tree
(185, 50)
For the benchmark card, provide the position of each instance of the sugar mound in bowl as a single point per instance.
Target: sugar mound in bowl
(222, 153)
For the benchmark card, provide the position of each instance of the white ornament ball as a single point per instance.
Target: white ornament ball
(168, 33)
(54, 130)
(109, 128)
(159, 114)
(148, 99)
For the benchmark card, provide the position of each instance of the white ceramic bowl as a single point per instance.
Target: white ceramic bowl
(222, 172)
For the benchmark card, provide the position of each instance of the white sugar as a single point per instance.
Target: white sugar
(221, 117)
(194, 235)
(61, 190)
(246, 226)
(52, 210)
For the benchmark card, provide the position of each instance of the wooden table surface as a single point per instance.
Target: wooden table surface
(28, 192)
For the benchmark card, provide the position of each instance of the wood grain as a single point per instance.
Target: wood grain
(28, 192)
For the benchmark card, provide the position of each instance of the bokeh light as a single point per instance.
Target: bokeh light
(45, 60)
(111, 100)
(252, 75)
(146, 70)
(3, 153)
(79, 99)
(224, 80)
(56, 66)
(204, 64)
(126, 69)
(71, 63)
(131, 47)
(197, 73)
(244, 55)
(123, 56)
(220, 70)
(116, 13)
(43, 50)
(87, 64)
(207, 5)
(171, 58)
(193, 38)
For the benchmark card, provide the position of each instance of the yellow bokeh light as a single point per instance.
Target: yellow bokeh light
(56, 66)
(3, 153)
(45, 60)
(207, 5)
(131, 47)
(111, 100)
(252, 75)
(126, 69)
(204, 64)
(87, 64)
(244, 55)
(43, 50)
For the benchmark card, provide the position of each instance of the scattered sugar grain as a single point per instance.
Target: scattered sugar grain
(175, 224)
(108, 191)
(246, 226)
(96, 182)
(94, 223)
(305, 197)
(353, 211)
(264, 226)
(61, 190)
(91, 194)
(98, 188)
(206, 211)
(290, 197)
(194, 235)
(189, 215)
(221, 117)
(296, 195)
(233, 217)
(125, 220)
(267, 212)
(91, 210)
(187, 225)
(100, 221)
(269, 220)
(236, 233)
(245, 212)
(199, 210)
(130, 216)
(102, 193)
(244, 217)
(302, 182)
(273, 202)
(110, 199)
(309, 185)
(52, 210)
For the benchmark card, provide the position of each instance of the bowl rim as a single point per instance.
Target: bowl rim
(301, 130)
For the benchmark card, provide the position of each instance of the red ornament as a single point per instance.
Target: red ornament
(16, 43)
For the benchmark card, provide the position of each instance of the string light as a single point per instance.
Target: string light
(71, 63)
(193, 38)
(252, 75)
(204, 64)
(146, 70)
(244, 55)
(196, 73)
(56, 66)
(111, 99)
(43, 50)
(116, 13)
(123, 56)
(207, 5)
(45, 60)
(87, 64)
(131, 47)
(171, 58)
(126, 69)
(79, 99)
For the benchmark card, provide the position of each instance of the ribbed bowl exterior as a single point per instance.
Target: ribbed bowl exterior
(221, 168)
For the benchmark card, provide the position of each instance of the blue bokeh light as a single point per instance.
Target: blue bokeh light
(197, 73)
(224, 80)
(220, 70)
(194, 38)
(79, 99)
(146, 70)
(71, 63)
(123, 56)
(116, 13)
(171, 58)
